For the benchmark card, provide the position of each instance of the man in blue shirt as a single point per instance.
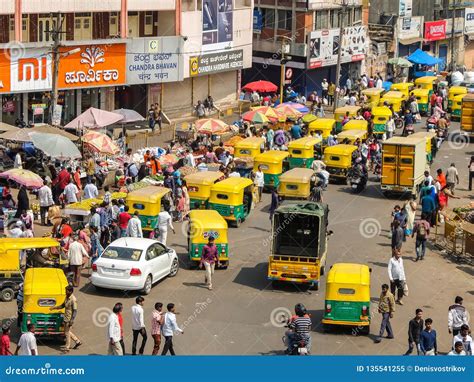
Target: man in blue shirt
(428, 345)
(428, 207)
(295, 131)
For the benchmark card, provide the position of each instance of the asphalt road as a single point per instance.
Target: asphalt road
(242, 314)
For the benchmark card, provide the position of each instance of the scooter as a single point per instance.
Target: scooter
(357, 179)
(297, 348)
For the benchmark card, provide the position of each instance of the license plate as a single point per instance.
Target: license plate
(354, 186)
(48, 323)
(302, 350)
(111, 270)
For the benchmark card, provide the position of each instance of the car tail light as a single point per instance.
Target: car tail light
(94, 267)
(135, 272)
(364, 310)
(328, 308)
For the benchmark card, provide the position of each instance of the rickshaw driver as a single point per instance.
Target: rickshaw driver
(300, 327)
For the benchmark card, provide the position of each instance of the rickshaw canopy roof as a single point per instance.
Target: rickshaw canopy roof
(350, 109)
(306, 208)
(322, 123)
(8, 244)
(340, 149)
(458, 90)
(426, 80)
(45, 282)
(300, 175)
(304, 143)
(402, 85)
(351, 134)
(204, 177)
(232, 185)
(152, 194)
(358, 124)
(250, 142)
(372, 91)
(272, 156)
(349, 273)
(207, 219)
(393, 94)
(421, 92)
(381, 110)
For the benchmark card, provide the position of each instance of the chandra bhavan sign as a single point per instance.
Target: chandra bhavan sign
(216, 62)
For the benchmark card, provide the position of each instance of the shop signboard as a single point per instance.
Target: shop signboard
(324, 46)
(257, 20)
(410, 28)
(435, 30)
(98, 65)
(217, 24)
(164, 63)
(469, 21)
(30, 70)
(405, 8)
(216, 62)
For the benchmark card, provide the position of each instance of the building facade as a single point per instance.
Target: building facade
(122, 54)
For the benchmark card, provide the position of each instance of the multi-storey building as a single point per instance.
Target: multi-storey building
(122, 53)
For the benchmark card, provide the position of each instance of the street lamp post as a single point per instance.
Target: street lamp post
(285, 49)
(342, 12)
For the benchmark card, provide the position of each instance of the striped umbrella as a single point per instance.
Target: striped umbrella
(270, 113)
(100, 143)
(255, 117)
(289, 111)
(211, 126)
(295, 105)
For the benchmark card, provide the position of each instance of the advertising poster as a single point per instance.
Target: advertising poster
(216, 62)
(469, 21)
(257, 20)
(435, 30)
(410, 27)
(217, 24)
(405, 8)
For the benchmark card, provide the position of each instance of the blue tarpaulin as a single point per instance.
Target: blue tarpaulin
(422, 58)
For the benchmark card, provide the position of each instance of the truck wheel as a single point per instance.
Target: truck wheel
(7, 294)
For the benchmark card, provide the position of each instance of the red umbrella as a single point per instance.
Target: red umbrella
(261, 86)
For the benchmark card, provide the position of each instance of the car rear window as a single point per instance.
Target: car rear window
(120, 253)
(346, 291)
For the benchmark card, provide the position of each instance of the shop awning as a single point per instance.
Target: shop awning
(409, 41)
(422, 58)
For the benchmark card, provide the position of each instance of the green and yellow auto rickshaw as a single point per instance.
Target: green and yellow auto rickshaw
(303, 151)
(148, 202)
(356, 124)
(381, 116)
(249, 147)
(402, 87)
(427, 82)
(351, 136)
(339, 159)
(393, 98)
(323, 127)
(373, 95)
(423, 100)
(296, 184)
(199, 187)
(273, 163)
(453, 92)
(456, 107)
(341, 112)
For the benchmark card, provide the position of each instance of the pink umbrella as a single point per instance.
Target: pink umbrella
(23, 177)
(94, 119)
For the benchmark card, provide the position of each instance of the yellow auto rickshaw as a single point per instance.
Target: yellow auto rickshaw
(32, 251)
(322, 126)
(423, 99)
(350, 136)
(373, 95)
(232, 198)
(428, 82)
(356, 124)
(402, 87)
(303, 151)
(202, 225)
(341, 112)
(347, 299)
(431, 147)
(148, 202)
(43, 289)
(199, 187)
(453, 92)
(393, 98)
(456, 106)
(339, 159)
(296, 184)
(273, 164)
(249, 147)
(381, 116)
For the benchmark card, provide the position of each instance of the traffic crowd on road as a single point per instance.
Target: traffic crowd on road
(110, 217)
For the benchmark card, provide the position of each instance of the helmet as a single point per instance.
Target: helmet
(300, 310)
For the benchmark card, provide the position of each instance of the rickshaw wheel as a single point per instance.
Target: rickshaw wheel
(224, 265)
(326, 328)
(7, 294)
(238, 222)
(365, 330)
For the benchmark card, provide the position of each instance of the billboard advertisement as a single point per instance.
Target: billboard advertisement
(217, 24)
(216, 62)
(469, 21)
(435, 30)
(405, 8)
(410, 27)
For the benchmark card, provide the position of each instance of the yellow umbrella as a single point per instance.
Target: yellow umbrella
(211, 126)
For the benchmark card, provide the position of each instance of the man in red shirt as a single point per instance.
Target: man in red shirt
(60, 183)
(441, 178)
(5, 342)
(123, 219)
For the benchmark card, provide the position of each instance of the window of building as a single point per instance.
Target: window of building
(321, 20)
(284, 19)
(334, 18)
(133, 30)
(357, 15)
(11, 28)
(346, 18)
(25, 28)
(82, 26)
(268, 17)
(148, 23)
(114, 23)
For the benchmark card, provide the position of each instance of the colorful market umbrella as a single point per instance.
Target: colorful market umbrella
(295, 105)
(255, 117)
(129, 116)
(168, 159)
(94, 118)
(270, 113)
(308, 118)
(56, 146)
(100, 143)
(23, 177)
(261, 86)
(289, 111)
(401, 62)
(211, 126)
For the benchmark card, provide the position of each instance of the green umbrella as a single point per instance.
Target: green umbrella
(400, 61)
(308, 118)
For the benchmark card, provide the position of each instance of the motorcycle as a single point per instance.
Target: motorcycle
(377, 167)
(297, 348)
(357, 179)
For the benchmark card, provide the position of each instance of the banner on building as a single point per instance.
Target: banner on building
(163, 64)
(405, 8)
(410, 28)
(216, 62)
(217, 24)
(30, 70)
(93, 66)
(324, 46)
(469, 21)
(458, 26)
(257, 20)
(435, 30)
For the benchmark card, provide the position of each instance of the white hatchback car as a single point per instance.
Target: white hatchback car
(134, 264)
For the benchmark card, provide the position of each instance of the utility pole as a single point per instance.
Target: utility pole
(284, 59)
(55, 35)
(342, 12)
(453, 39)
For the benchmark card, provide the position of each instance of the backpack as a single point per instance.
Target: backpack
(421, 230)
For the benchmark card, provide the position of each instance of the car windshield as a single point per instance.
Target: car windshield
(120, 253)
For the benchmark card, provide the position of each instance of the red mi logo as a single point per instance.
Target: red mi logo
(32, 69)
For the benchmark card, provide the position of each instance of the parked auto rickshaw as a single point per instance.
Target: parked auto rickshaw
(322, 126)
(44, 288)
(356, 124)
(373, 95)
(381, 116)
(249, 147)
(148, 202)
(347, 299)
(453, 92)
(232, 198)
(393, 98)
(428, 83)
(202, 225)
(199, 187)
(423, 99)
(402, 87)
(339, 160)
(273, 164)
(303, 151)
(341, 112)
(431, 147)
(296, 184)
(10, 267)
(350, 136)
(456, 106)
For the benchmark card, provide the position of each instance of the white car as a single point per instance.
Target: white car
(134, 264)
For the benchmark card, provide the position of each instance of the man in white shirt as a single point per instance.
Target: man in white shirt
(114, 331)
(18, 161)
(465, 339)
(169, 327)
(379, 83)
(164, 220)
(17, 230)
(134, 227)
(71, 192)
(90, 190)
(138, 325)
(390, 127)
(27, 343)
(76, 254)
(259, 182)
(190, 161)
(396, 274)
(325, 87)
(428, 178)
(45, 197)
